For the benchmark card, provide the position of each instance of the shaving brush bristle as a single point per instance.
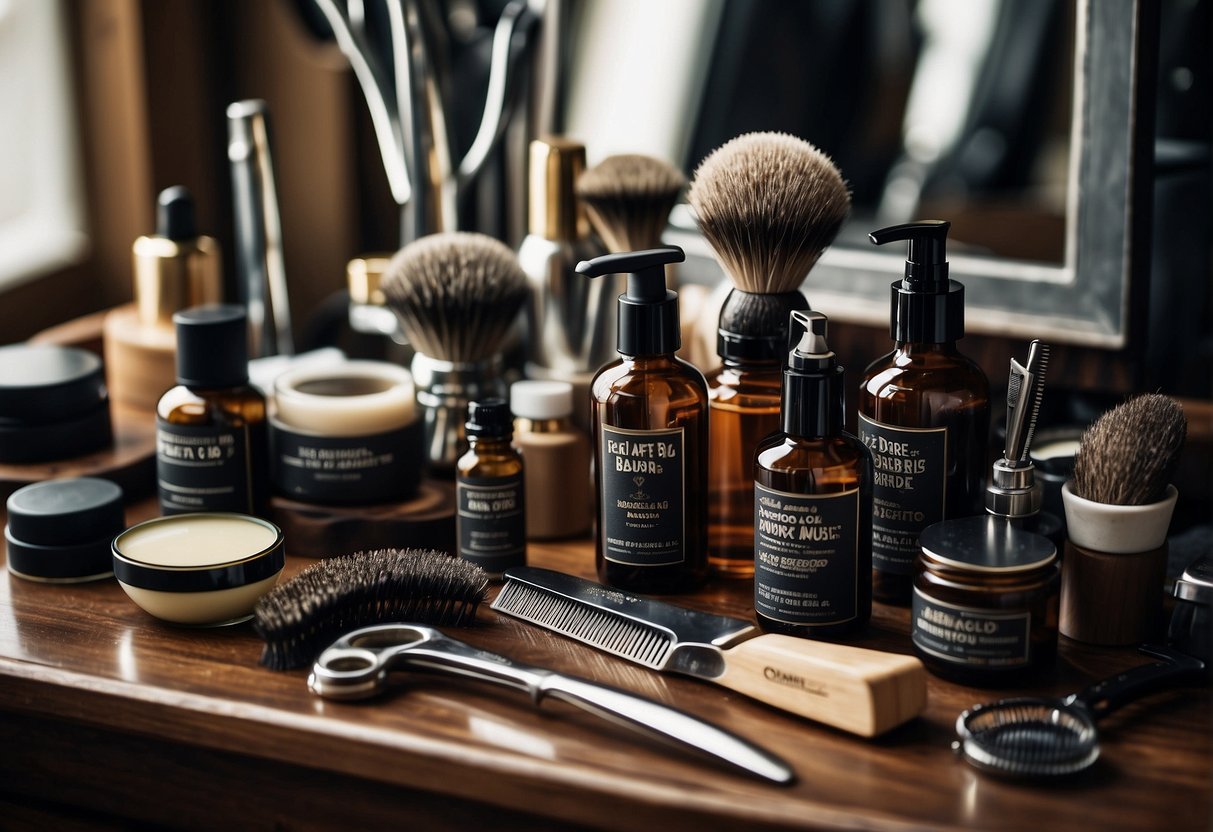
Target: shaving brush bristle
(628, 199)
(457, 294)
(768, 204)
(1127, 456)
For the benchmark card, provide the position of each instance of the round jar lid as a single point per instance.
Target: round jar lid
(541, 399)
(66, 512)
(42, 383)
(985, 544)
(60, 530)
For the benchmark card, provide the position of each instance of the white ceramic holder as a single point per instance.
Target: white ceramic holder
(1119, 530)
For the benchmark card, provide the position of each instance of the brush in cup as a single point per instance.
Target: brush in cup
(1118, 510)
(768, 204)
(457, 295)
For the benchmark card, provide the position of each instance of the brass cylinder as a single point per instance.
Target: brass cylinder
(555, 211)
(171, 275)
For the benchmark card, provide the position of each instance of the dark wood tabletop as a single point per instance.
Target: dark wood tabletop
(109, 716)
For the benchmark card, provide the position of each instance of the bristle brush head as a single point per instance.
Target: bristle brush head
(456, 293)
(1127, 456)
(768, 204)
(628, 199)
(301, 616)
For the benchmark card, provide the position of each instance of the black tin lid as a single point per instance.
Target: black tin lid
(985, 545)
(61, 530)
(42, 383)
(22, 443)
(212, 346)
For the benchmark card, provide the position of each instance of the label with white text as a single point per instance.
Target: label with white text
(643, 496)
(492, 522)
(806, 556)
(202, 468)
(909, 482)
(964, 635)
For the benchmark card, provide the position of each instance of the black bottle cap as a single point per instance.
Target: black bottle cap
(212, 346)
(648, 311)
(754, 327)
(812, 401)
(175, 214)
(927, 307)
(490, 417)
(62, 529)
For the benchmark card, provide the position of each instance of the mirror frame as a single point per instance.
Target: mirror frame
(1091, 299)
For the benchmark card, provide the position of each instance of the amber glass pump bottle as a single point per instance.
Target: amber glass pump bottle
(812, 501)
(924, 412)
(650, 415)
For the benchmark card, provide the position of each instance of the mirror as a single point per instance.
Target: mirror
(1014, 119)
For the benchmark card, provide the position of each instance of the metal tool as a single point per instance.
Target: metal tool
(863, 691)
(259, 261)
(1025, 737)
(356, 666)
(1013, 490)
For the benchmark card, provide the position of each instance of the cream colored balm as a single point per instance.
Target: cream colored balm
(199, 569)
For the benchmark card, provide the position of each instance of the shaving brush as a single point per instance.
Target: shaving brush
(628, 199)
(1118, 511)
(768, 204)
(1127, 457)
(457, 295)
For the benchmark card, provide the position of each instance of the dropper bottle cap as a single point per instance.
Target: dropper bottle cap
(928, 308)
(648, 311)
(812, 401)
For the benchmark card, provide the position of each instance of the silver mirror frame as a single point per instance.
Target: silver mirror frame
(1084, 301)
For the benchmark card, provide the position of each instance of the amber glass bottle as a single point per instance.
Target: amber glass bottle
(924, 413)
(743, 400)
(812, 503)
(650, 414)
(211, 438)
(490, 491)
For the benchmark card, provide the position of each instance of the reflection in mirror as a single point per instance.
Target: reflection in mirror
(1011, 119)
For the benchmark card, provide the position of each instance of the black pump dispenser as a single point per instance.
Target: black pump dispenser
(812, 404)
(648, 311)
(927, 306)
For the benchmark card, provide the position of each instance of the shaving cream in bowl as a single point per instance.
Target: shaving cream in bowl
(202, 570)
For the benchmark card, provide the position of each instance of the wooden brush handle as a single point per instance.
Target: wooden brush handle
(866, 692)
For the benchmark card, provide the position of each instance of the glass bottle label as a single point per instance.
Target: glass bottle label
(202, 468)
(492, 521)
(909, 485)
(964, 635)
(643, 491)
(806, 556)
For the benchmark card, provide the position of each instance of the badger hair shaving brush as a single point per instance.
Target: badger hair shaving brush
(1118, 511)
(457, 295)
(768, 205)
(628, 199)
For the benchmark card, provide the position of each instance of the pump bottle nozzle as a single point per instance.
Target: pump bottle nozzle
(926, 258)
(648, 311)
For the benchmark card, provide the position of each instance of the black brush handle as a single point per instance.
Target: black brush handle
(1108, 695)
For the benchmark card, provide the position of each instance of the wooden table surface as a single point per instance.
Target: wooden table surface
(107, 715)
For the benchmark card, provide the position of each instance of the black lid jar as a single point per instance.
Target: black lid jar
(985, 603)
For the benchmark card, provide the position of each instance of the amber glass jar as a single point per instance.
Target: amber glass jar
(985, 601)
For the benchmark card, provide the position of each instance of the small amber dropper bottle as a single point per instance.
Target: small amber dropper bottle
(924, 412)
(490, 491)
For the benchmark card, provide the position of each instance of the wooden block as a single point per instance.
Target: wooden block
(314, 531)
(1112, 599)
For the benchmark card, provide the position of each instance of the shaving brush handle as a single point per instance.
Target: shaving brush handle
(444, 390)
(866, 692)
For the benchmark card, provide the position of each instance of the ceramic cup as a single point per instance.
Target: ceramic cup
(1117, 529)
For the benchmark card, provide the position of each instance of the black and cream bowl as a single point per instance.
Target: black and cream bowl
(201, 570)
